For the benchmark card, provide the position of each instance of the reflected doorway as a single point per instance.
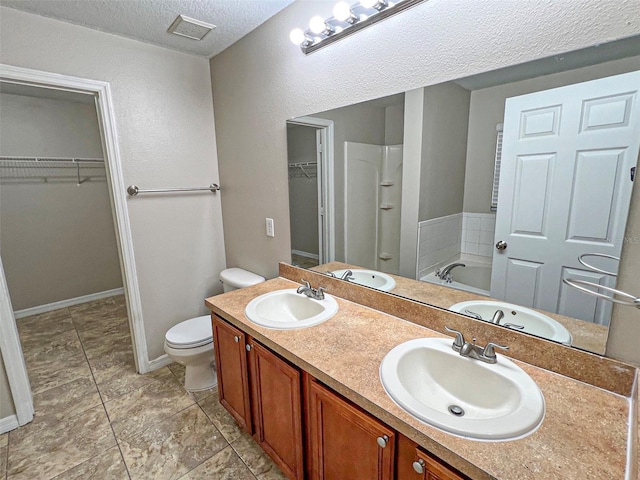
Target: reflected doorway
(310, 171)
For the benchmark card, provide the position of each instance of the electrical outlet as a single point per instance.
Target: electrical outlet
(270, 229)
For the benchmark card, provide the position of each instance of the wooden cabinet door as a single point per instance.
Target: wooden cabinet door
(233, 377)
(277, 408)
(432, 469)
(343, 441)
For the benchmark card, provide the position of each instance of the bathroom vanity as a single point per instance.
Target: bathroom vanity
(312, 397)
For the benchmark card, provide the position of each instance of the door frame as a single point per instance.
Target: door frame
(326, 129)
(9, 341)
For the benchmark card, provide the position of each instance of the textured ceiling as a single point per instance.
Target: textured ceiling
(148, 20)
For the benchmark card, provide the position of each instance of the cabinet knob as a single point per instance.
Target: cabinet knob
(248, 347)
(236, 338)
(418, 466)
(383, 440)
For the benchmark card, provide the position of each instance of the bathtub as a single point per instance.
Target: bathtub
(474, 278)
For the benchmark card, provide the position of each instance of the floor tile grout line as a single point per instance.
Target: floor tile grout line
(106, 412)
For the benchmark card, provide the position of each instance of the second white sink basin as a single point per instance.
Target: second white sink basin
(287, 309)
(459, 395)
(532, 322)
(369, 278)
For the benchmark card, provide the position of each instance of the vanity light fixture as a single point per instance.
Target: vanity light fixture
(347, 19)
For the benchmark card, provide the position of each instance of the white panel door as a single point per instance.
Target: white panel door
(361, 202)
(565, 188)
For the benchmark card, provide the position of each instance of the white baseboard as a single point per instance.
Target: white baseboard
(8, 423)
(161, 361)
(306, 254)
(27, 312)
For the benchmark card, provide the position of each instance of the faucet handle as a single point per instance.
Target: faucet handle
(459, 341)
(306, 284)
(489, 351)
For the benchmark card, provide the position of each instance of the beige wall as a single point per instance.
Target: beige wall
(165, 124)
(487, 110)
(394, 124)
(6, 401)
(303, 191)
(57, 239)
(263, 80)
(444, 148)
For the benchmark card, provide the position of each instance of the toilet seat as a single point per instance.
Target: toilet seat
(191, 333)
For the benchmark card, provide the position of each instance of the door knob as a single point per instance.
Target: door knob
(418, 466)
(383, 440)
(501, 245)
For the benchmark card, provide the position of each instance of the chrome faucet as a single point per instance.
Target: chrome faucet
(499, 315)
(445, 273)
(314, 293)
(476, 352)
(347, 275)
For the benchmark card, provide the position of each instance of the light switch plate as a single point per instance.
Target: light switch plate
(270, 229)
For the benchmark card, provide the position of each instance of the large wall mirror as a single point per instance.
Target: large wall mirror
(482, 195)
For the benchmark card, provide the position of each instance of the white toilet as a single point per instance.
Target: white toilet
(190, 343)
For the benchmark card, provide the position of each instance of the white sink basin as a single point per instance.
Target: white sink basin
(369, 278)
(431, 381)
(287, 309)
(534, 323)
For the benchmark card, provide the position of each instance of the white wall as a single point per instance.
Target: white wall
(165, 124)
(57, 239)
(263, 80)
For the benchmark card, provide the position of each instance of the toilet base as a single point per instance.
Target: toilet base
(200, 369)
(198, 377)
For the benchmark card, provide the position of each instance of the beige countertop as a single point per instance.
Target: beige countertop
(587, 336)
(584, 433)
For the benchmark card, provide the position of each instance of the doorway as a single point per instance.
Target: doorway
(311, 199)
(10, 348)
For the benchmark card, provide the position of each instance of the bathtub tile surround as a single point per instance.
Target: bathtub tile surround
(443, 239)
(439, 240)
(105, 421)
(478, 230)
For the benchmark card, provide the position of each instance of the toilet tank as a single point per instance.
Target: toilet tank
(234, 278)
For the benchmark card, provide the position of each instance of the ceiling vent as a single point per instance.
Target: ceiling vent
(190, 27)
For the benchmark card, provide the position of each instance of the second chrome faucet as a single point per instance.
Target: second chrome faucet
(485, 354)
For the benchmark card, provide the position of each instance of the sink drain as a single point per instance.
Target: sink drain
(456, 410)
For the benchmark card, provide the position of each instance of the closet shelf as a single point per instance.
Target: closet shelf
(15, 169)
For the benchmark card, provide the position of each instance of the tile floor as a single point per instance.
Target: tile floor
(96, 418)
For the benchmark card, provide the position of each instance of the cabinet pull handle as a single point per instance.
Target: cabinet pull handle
(236, 338)
(248, 347)
(418, 466)
(383, 440)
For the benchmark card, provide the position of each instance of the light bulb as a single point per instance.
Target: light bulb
(317, 24)
(297, 36)
(377, 4)
(342, 11)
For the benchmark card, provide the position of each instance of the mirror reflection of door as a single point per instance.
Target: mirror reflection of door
(567, 156)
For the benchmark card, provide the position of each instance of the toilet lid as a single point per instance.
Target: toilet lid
(190, 333)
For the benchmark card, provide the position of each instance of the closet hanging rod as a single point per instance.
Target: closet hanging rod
(133, 190)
